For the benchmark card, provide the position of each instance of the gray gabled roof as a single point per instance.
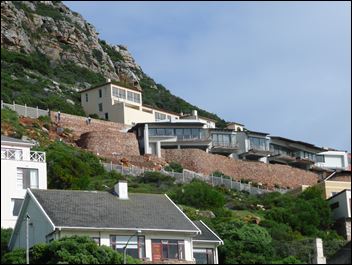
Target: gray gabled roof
(96, 209)
(6, 139)
(207, 233)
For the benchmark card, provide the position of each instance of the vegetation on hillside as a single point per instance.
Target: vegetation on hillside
(271, 228)
(68, 250)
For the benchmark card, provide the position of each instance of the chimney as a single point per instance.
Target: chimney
(195, 113)
(121, 189)
(108, 80)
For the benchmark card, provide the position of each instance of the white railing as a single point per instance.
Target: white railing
(11, 154)
(26, 111)
(187, 176)
(37, 156)
(16, 154)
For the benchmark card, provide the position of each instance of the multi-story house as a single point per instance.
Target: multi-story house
(21, 168)
(117, 103)
(333, 160)
(174, 134)
(150, 227)
(209, 123)
(294, 153)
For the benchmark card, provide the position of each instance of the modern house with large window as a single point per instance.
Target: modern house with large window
(21, 168)
(174, 134)
(295, 153)
(253, 145)
(117, 103)
(150, 226)
(333, 160)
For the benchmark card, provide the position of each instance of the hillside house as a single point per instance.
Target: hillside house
(333, 160)
(174, 134)
(294, 153)
(340, 204)
(150, 226)
(209, 123)
(21, 168)
(121, 104)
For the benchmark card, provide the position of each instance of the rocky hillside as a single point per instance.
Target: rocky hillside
(49, 53)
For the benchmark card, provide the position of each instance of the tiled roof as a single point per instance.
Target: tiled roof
(14, 140)
(105, 210)
(207, 234)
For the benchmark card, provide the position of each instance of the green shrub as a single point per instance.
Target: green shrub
(69, 250)
(5, 238)
(175, 167)
(198, 194)
(157, 178)
(10, 117)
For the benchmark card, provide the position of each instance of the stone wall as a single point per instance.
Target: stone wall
(267, 174)
(105, 143)
(78, 124)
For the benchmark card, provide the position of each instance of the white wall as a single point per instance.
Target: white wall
(105, 239)
(9, 189)
(344, 209)
(334, 160)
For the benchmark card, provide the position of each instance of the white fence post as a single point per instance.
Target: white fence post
(25, 110)
(37, 112)
(2, 104)
(14, 105)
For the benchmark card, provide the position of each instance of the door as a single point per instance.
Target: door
(156, 251)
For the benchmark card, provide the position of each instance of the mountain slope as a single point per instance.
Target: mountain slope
(49, 53)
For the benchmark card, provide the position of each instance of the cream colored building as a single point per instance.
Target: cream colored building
(333, 187)
(120, 104)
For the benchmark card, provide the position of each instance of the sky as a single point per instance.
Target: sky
(278, 67)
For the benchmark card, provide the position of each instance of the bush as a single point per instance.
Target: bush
(157, 178)
(174, 167)
(10, 118)
(69, 250)
(5, 238)
(200, 195)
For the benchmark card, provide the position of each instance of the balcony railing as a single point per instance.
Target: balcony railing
(258, 147)
(15, 154)
(225, 144)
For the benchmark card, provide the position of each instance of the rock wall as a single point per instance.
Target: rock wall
(78, 124)
(105, 143)
(267, 174)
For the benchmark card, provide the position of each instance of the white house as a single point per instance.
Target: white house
(156, 229)
(21, 168)
(121, 104)
(340, 205)
(332, 159)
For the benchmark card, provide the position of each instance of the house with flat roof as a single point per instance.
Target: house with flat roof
(150, 226)
(253, 145)
(340, 205)
(295, 153)
(209, 123)
(21, 168)
(115, 102)
(235, 126)
(333, 160)
(174, 134)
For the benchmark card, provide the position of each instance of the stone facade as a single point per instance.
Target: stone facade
(105, 143)
(267, 174)
(78, 124)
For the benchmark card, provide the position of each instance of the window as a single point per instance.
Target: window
(320, 158)
(100, 106)
(100, 93)
(106, 116)
(169, 117)
(129, 95)
(86, 97)
(171, 249)
(135, 247)
(96, 240)
(258, 143)
(27, 178)
(17, 203)
(160, 116)
(152, 132)
(119, 93)
(137, 97)
(203, 256)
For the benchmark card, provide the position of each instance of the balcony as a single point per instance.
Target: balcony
(17, 154)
